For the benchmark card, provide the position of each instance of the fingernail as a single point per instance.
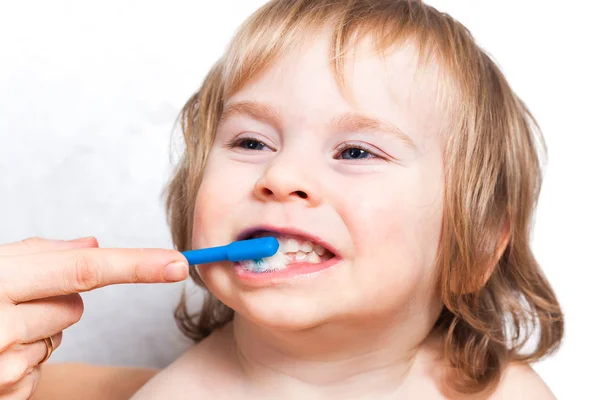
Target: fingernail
(176, 271)
(83, 239)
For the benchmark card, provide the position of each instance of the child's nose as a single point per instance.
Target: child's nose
(287, 181)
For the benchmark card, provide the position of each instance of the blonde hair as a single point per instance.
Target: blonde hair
(495, 299)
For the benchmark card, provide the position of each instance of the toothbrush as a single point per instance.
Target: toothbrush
(241, 250)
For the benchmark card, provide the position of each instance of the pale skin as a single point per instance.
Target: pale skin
(361, 329)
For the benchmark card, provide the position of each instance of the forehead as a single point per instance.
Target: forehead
(392, 86)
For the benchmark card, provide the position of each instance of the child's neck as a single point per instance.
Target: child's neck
(365, 360)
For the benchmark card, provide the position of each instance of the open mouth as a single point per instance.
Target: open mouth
(294, 250)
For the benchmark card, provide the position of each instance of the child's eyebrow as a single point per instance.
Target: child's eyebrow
(257, 111)
(350, 121)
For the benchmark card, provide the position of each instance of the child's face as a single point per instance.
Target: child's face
(379, 210)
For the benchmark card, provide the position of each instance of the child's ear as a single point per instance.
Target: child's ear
(502, 243)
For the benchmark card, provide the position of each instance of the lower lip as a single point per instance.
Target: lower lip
(291, 272)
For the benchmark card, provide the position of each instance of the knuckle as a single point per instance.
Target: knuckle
(86, 274)
(22, 390)
(9, 331)
(13, 370)
(138, 274)
(33, 242)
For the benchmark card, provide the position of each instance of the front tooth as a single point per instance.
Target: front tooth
(277, 265)
(306, 247)
(320, 250)
(313, 257)
(277, 257)
(290, 246)
(300, 255)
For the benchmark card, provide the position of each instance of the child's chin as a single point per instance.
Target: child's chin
(284, 315)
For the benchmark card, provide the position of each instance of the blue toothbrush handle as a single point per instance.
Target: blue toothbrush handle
(204, 256)
(241, 250)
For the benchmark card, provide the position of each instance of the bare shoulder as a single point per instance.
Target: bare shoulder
(204, 370)
(520, 381)
(92, 382)
(174, 381)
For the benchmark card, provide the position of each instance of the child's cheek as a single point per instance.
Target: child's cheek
(217, 197)
(396, 230)
(379, 216)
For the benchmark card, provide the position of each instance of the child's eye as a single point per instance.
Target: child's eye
(355, 152)
(251, 144)
(248, 144)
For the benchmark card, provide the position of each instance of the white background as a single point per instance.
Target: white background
(89, 93)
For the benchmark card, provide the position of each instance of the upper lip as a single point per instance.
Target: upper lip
(286, 231)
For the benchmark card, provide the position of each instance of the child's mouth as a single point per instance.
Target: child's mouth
(296, 253)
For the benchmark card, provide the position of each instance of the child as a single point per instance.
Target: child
(387, 153)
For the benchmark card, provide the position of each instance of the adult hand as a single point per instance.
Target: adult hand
(39, 284)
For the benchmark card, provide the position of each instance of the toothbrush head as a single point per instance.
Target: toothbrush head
(252, 249)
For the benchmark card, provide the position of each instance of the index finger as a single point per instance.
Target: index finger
(37, 276)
